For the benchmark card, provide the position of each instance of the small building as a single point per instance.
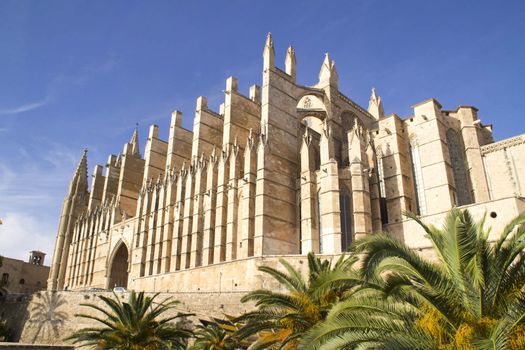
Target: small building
(18, 276)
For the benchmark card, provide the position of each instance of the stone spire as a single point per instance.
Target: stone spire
(328, 74)
(134, 142)
(79, 183)
(269, 53)
(375, 106)
(74, 205)
(290, 62)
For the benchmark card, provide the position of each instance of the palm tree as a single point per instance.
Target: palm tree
(136, 324)
(472, 297)
(282, 317)
(218, 335)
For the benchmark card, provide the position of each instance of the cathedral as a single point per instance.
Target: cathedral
(286, 170)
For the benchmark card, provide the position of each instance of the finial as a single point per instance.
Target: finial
(375, 107)
(268, 53)
(269, 40)
(328, 72)
(134, 142)
(290, 62)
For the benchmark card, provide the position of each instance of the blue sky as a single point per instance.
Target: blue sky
(77, 74)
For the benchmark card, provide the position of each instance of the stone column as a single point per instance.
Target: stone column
(221, 217)
(478, 180)
(171, 193)
(152, 224)
(143, 227)
(330, 212)
(309, 224)
(210, 198)
(375, 204)
(176, 244)
(188, 219)
(159, 229)
(248, 200)
(197, 229)
(362, 220)
(233, 205)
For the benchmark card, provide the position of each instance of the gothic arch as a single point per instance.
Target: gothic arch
(118, 266)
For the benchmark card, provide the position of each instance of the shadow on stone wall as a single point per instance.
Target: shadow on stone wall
(13, 309)
(46, 319)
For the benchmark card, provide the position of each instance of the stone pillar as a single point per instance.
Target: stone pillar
(159, 229)
(392, 147)
(130, 181)
(169, 214)
(375, 195)
(469, 119)
(309, 217)
(210, 199)
(233, 205)
(188, 219)
(248, 199)
(111, 179)
(97, 188)
(198, 219)
(143, 228)
(152, 225)
(277, 162)
(430, 132)
(221, 217)
(330, 213)
(72, 255)
(362, 220)
(176, 244)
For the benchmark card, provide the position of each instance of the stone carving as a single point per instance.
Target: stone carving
(307, 103)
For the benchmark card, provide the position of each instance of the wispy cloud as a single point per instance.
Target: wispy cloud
(31, 192)
(26, 107)
(22, 232)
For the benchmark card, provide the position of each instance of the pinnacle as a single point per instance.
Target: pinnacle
(79, 184)
(134, 142)
(269, 40)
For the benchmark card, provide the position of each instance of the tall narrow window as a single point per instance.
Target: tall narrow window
(457, 160)
(418, 179)
(346, 224)
(382, 189)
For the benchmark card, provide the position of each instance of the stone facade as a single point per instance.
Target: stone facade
(286, 170)
(24, 277)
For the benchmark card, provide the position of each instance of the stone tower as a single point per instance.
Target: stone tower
(75, 203)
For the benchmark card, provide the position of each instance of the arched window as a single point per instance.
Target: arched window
(418, 178)
(22, 281)
(457, 160)
(346, 224)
